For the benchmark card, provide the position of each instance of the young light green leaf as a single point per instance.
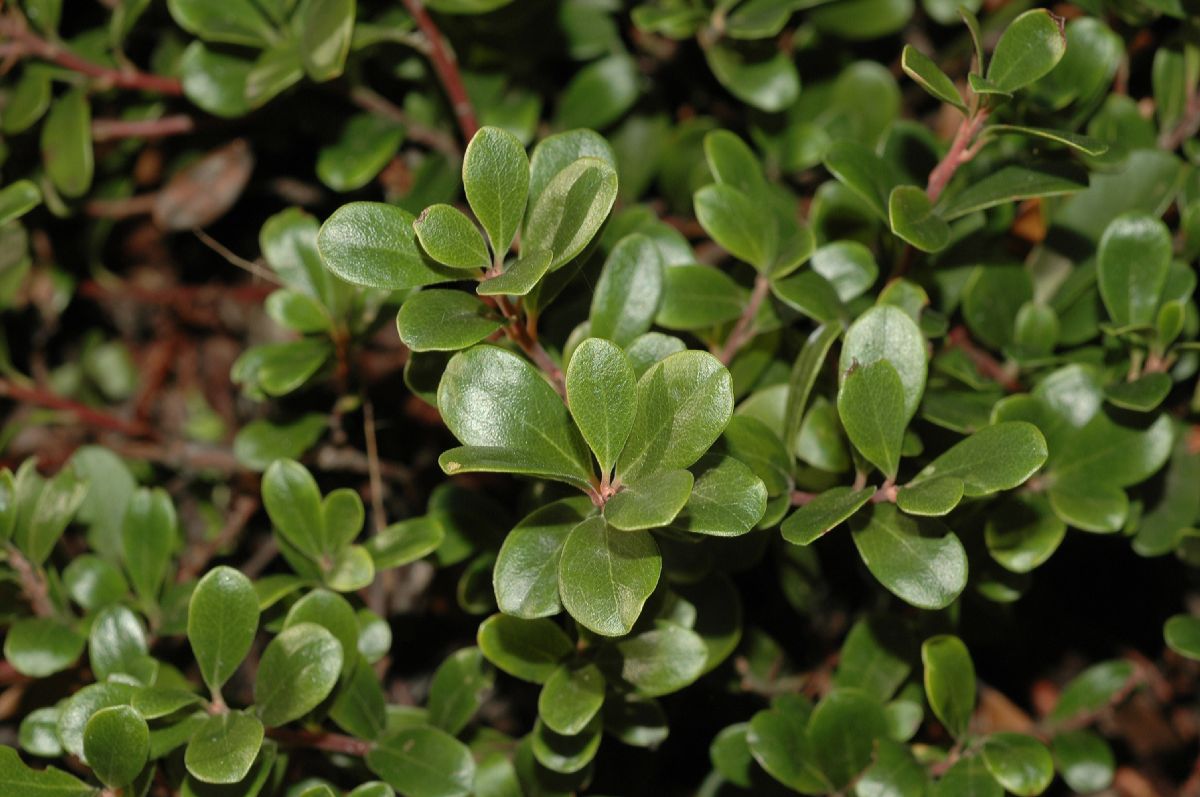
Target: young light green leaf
(778, 740)
(374, 244)
(479, 396)
(223, 749)
(444, 320)
(222, 623)
(571, 698)
(18, 199)
(871, 405)
(930, 77)
(39, 531)
(568, 213)
(650, 503)
(298, 670)
(116, 743)
(1020, 763)
(1141, 395)
(1030, 46)
(526, 573)
(1092, 690)
(450, 238)
(527, 649)
(919, 561)
(496, 180)
(820, 515)
(602, 396)
(423, 762)
(949, 682)
(912, 218)
(684, 403)
(520, 277)
(405, 541)
(606, 575)
(1131, 268)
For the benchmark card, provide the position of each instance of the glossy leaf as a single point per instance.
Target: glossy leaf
(949, 682)
(568, 212)
(1131, 268)
(919, 561)
(116, 743)
(222, 622)
(629, 290)
(913, 218)
(374, 244)
(67, 144)
(298, 670)
(423, 762)
(930, 77)
(527, 649)
(224, 748)
(602, 398)
(1020, 763)
(570, 698)
(450, 238)
(649, 503)
(445, 320)
(496, 180)
(1030, 46)
(821, 514)
(606, 575)
(871, 406)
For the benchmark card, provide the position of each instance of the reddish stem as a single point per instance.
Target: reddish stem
(743, 331)
(116, 129)
(29, 43)
(33, 584)
(321, 740)
(91, 417)
(983, 361)
(959, 153)
(446, 65)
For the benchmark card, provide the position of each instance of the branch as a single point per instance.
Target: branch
(116, 129)
(1187, 126)
(321, 740)
(743, 331)
(959, 153)
(446, 66)
(26, 42)
(379, 105)
(33, 584)
(92, 417)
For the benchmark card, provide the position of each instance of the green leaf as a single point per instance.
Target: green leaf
(149, 537)
(698, 297)
(565, 754)
(116, 743)
(479, 395)
(602, 397)
(599, 93)
(1141, 395)
(888, 333)
(555, 153)
(1020, 763)
(215, 80)
(67, 144)
(373, 244)
(949, 682)
(41, 646)
(16, 778)
(568, 213)
(458, 689)
(405, 542)
(298, 670)
(116, 643)
(1022, 534)
(1131, 268)
(871, 406)
(359, 704)
(18, 199)
(919, 561)
(158, 702)
(444, 320)
(1182, 634)
(8, 504)
(365, 144)
(930, 77)
(895, 773)
(1100, 508)
(771, 84)
(238, 22)
(998, 457)
(727, 498)
(27, 102)
(629, 290)
(423, 762)
(293, 503)
(1085, 144)
(527, 649)
(778, 740)
(661, 661)
(737, 222)
(730, 755)
(862, 171)
(652, 502)
(732, 162)
(1012, 184)
(571, 698)
(350, 569)
(222, 623)
(1091, 690)
(605, 576)
(276, 69)
(526, 572)
(684, 403)
(820, 515)
(1085, 761)
(912, 218)
(968, 776)
(224, 748)
(1030, 46)
(496, 180)
(297, 311)
(79, 708)
(325, 28)
(333, 613)
(450, 238)
(842, 732)
(875, 657)
(38, 533)
(93, 583)
(38, 734)
(846, 265)
(520, 277)
(261, 442)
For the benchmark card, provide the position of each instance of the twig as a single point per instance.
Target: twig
(321, 740)
(959, 153)
(520, 334)
(91, 417)
(373, 464)
(445, 64)
(27, 42)
(116, 129)
(984, 362)
(33, 584)
(743, 331)
(1187, 126)
(379, 105)
(140, 205)
(235, 259)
